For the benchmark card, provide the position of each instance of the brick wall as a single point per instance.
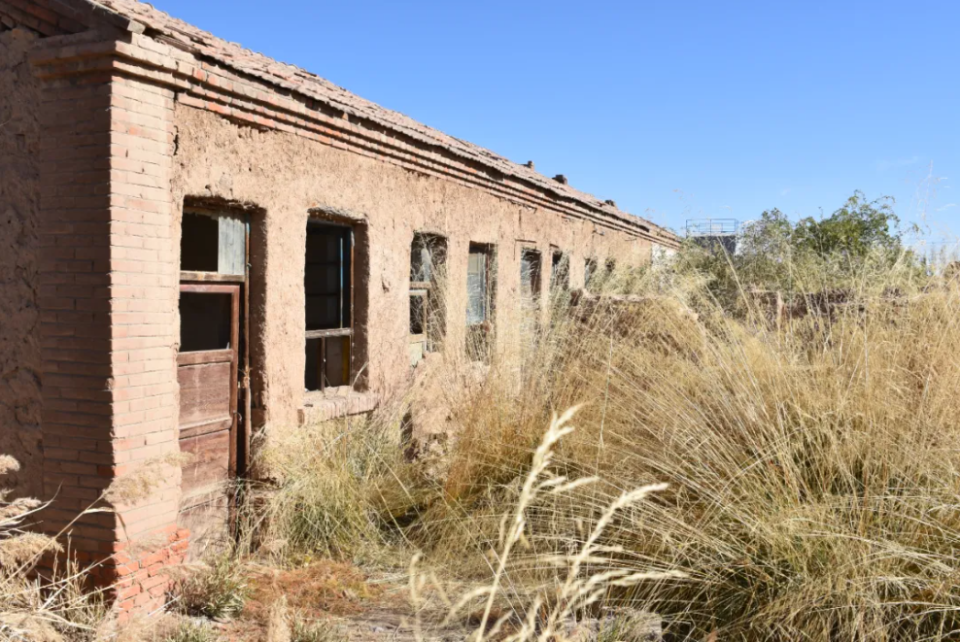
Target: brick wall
(108, 304)
(108, 294)
(20, 401)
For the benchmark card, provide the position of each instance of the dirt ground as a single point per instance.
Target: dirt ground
(355, 604)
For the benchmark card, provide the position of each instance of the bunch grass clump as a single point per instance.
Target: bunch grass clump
(807, 441)
(30, 608)
(813, 464)
(582, 576)
(338, 490)
(216, 587)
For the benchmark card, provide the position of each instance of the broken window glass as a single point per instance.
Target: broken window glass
(427, 327)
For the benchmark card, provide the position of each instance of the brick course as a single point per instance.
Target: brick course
(108, 302)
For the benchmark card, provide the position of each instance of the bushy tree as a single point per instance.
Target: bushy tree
(773, 253)
(859, 227)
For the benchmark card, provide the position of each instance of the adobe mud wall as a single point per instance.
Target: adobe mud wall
(20, 401)
(286, 176)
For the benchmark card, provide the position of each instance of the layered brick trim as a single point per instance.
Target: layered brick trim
(255, 99)
(60, 17)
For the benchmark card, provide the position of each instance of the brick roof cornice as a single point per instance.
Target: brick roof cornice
(220, 80)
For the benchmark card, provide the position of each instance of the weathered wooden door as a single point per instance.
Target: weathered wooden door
(207, 370)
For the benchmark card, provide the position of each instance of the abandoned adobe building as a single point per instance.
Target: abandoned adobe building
(198, 243)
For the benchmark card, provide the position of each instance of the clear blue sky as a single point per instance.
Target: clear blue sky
(674, 109)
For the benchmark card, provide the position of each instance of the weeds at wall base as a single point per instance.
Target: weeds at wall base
(812, 471)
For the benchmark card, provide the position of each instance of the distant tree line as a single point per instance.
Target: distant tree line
(859, 246)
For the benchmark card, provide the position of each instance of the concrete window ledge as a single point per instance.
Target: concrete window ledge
(332, 404)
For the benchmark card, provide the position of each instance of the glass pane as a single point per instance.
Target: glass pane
(205, 321)
(477, 288)
(231, 250)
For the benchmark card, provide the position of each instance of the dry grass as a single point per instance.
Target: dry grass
(337, 490)
(581, 578)
(743, 480)
(813, 471)
(59, 609)
(60, 604)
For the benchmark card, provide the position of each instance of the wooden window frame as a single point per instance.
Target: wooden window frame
(485, 327)
(427, 290)
(196, 276)
(556, 283)
(336, 333)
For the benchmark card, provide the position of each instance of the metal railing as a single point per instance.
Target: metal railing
(712, 227)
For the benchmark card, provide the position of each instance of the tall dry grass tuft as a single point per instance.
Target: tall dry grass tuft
(337, 490)
(811, 453)
(550, 611)
(813, 469)
(30, 609)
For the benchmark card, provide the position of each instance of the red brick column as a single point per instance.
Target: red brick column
(108, 313)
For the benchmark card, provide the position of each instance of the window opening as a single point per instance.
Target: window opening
(559, 272)
(530, 274)
(205, 321)
(427, 327)
(530, 291)
(480, 298)
(589, 272)
(213, 243)
(328, 289)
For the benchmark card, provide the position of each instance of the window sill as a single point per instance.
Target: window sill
(320, 406)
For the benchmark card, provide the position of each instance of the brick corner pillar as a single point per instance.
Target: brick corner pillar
(108, 305)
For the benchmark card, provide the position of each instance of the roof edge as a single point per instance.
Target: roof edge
(140, 18)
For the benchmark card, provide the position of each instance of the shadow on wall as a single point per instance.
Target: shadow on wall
(20, 394)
